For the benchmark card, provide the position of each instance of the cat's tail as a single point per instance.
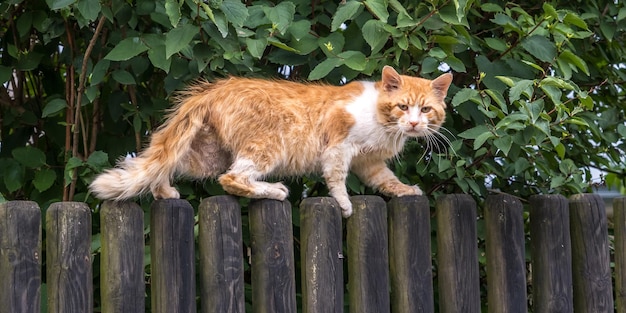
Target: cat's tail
(154, 168)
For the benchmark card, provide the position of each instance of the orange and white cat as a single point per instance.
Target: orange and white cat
(241, 130)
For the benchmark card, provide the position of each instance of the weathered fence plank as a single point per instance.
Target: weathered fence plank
(368, 261)
(121, 267)
(506, 263)
(551, 254)
(457, 254)
(20, 257)
(410, 255)
(322, 255)
(221, 255)
(68, 258)
(273, 267)
(619, 224)
(173, 261)
(590, 254)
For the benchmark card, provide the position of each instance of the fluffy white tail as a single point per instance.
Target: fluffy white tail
(154, 168)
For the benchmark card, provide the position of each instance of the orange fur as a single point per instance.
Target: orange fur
(242, 130)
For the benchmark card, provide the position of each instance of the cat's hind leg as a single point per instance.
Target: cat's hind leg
(242, 179)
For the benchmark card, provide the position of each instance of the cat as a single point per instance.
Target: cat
(241, 130)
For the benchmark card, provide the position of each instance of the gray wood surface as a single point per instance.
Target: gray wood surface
(321, 256)
(173, 260)
(20, 257)
(551, 254)
(457, 254)
(122, 281)
(273, 266)
(368, 256)
(68, 258)
(619, 224)
(410, 255)
(221, 255)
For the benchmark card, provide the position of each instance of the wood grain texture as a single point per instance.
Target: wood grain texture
(273, 267)
(410, 255)
(221, 255)
(506, 263)
(122, 280)
(619, 224)
(173, 259)
(590, 255)
(20, 257)
(551, 254)
(368, 262)
(322, 255)
(457, 249)
(68, 258)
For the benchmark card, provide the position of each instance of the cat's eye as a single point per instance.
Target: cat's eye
(426, 109)
(403, 107)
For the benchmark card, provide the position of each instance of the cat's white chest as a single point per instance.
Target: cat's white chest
(367, 134)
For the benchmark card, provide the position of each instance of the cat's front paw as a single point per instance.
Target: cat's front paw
(401, 190)
(346, 207)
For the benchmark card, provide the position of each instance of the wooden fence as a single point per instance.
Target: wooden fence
(388, 256)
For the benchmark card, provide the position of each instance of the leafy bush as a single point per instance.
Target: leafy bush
(537, 102)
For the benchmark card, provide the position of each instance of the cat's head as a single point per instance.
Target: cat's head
(412, 106)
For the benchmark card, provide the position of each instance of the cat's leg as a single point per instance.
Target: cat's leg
(335, 168)
(242, 180)
(376, 174)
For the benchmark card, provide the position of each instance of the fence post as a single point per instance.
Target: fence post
(506, 263)
(457, 254)
(68, 258)
(551, 251)
(273, 268)
(590, 254)
(322, 255)
(368, 262)
(410, 255)
(619, 222)
(122, 274)
(221, 255)
(172, 253)
(20, 257)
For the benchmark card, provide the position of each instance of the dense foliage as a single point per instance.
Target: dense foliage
(537, 103)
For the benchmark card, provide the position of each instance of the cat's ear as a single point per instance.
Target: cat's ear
(441, 84)
(391, 80)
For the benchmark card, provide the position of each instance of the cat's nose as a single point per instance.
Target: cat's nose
(413, 123)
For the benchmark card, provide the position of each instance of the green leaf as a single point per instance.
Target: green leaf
(172, 9)
(300, 29)
(540, 47)
(13, 174)
(504, 144)
(256, 47)
(5, 73)
(29, 156)
(560, 150)
(463, 95)
(574, 19)
(89, 9)
(480, 140)
(179, 38)
(378, 8)
(496, 44)
(59, 4)
(98, 160)
(524, 86)
(123, 77)
(126, 49)
(460, 6)
(71, 164)
(44, 179)
(375, 35)
(355, 60)
(99, 71)
(235, 11)
(281, 15)
(157, 57)
(322, 69)
(550, 11)
(474, 132)
(345, 12)
(53, 107)
(576, 60)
